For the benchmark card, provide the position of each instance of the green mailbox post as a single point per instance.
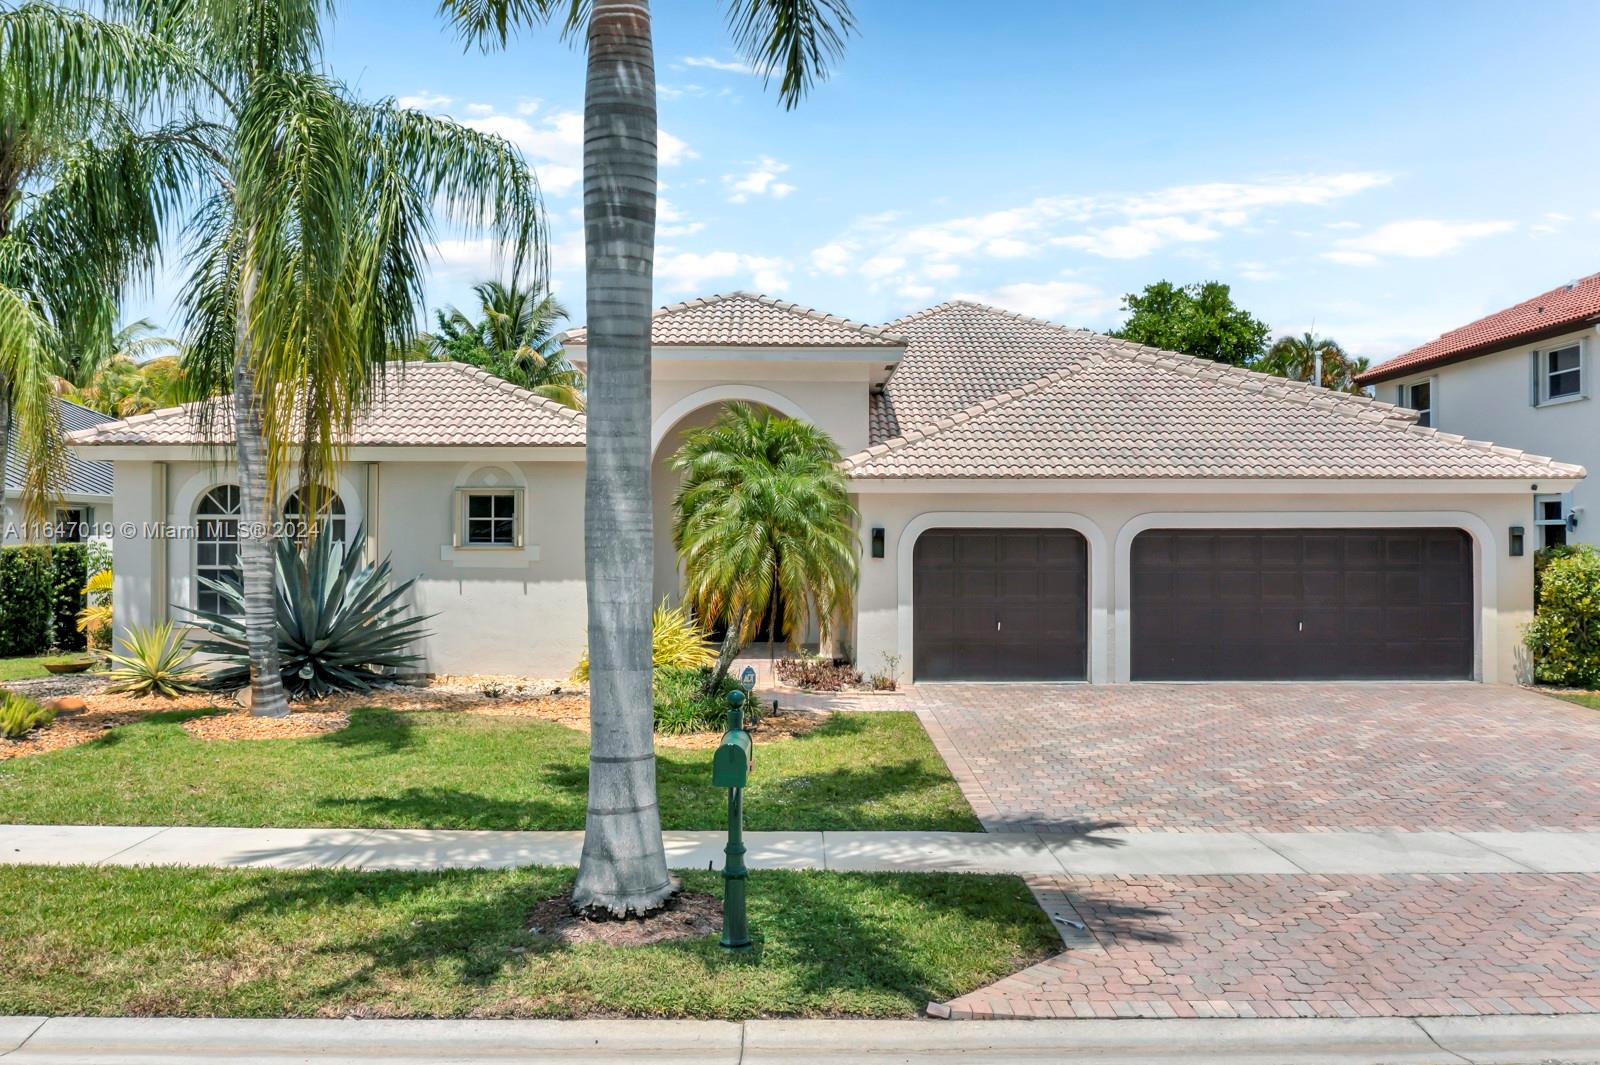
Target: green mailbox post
(730, 768)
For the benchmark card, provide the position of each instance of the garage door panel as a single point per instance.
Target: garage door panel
(1316, 603)
(1019, 599)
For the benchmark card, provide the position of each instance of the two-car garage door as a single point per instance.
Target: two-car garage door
(1204, 604)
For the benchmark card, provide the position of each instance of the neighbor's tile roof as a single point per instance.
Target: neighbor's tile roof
(744, 319)
(421, 404)
(1113, 409)
(85, 477)
(1572, 305)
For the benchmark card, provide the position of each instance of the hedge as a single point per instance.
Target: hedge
(1564, 637)
(41, 592)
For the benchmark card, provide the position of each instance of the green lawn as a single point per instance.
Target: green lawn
(451, 770)
(23, 668)
(453, 944)
(1589, 699)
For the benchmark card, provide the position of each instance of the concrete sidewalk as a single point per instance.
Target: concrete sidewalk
(1022, 853)
(1392, 1041)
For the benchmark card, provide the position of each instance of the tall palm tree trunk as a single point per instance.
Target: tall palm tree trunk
(257, 560)
(5, 441)
(623, 869)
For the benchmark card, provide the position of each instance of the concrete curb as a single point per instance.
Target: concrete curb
(1382, 1041)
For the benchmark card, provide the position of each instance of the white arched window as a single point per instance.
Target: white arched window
(298, 517)
(217, 547)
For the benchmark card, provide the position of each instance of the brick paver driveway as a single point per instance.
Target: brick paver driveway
(1287, 758)
(1268, 757)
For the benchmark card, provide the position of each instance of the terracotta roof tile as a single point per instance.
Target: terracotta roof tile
(421, 404)
(1572, 305)
(744, 319)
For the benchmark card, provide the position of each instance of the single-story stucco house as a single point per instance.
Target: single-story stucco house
(1036, 502)
(83, 510)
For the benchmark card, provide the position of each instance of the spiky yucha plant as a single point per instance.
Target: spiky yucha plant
(156, 662)
(340, 626)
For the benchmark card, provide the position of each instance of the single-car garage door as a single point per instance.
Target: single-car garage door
(1302, 604)
(1000, 604)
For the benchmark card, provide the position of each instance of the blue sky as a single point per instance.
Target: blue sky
(1381, 171)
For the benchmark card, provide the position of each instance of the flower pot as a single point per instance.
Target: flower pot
(68, 665)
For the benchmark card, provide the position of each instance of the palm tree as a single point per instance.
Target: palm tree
(1309, 357)
(133, 376)
(762, 522)
(515, 340)
(623, 869)
(85, 192)
(309, 256)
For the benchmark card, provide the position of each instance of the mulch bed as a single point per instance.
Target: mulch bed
(491, 696)
(689, 915)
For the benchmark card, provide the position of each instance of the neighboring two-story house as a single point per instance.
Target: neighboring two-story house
(1522, 376)
(1035, 502)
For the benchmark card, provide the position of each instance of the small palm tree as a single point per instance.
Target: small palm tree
(764, 527)
(1309, 357)
(515, 340)
(139, 374)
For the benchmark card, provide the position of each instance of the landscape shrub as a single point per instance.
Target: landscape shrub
(156, 662)
(676, 639)
(27, 600)
(819, 674)
(681, 704)
(20, 715)
(70, 572)
(1564, 636)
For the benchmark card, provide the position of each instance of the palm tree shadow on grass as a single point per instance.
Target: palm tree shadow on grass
(830, 934)
(373, 730)
(437, 807)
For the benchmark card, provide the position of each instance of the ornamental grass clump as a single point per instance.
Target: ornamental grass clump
(156, 662)
(1564, 636)
(20, 715)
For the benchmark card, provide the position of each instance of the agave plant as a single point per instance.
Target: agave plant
(156, 663)
(340, 626)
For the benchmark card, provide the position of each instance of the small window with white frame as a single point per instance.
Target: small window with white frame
(1561, 373)
(1418, 396)
(1550, 516)
(489, 517)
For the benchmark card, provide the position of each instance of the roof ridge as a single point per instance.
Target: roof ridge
(1002, 311)
(961, 417)
(1297, 391)
(510, 388)
(788, 306)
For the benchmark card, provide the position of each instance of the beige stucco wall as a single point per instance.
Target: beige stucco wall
(1492, 398)
(497, 610)
(1110, 520)
(101, 507)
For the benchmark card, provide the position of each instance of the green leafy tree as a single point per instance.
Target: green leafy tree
(514, 339)
(85, 193)
(140, 374)
(623, 869)
(1197, 320)
(763, 523)
(309, 255)
(1309, 357)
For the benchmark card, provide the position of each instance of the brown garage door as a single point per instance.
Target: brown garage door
(1302, 604)
(1000, 604)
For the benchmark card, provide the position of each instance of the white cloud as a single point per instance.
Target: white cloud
(1110, 226)
(760, 180)
(832, 258)
(480, 109)
(1138, 238)
(670, 150)
(882, 265)
(425, 101)
(527, 107)
(1422, 238)
(1252, 271)
(1049, 299)
(706, 62)
(681, 271)
(554, 146)
(917, 292)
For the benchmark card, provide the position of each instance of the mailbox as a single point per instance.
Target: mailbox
(730, 766)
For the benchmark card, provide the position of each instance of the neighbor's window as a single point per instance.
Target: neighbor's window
(1550, 515)
(1419, 397)
(1563, 373)
(217, 547)
(490, 518)
(298, 518)
(72, 525)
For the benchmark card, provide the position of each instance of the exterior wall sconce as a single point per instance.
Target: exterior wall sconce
(877, 541)
(1516, 541)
